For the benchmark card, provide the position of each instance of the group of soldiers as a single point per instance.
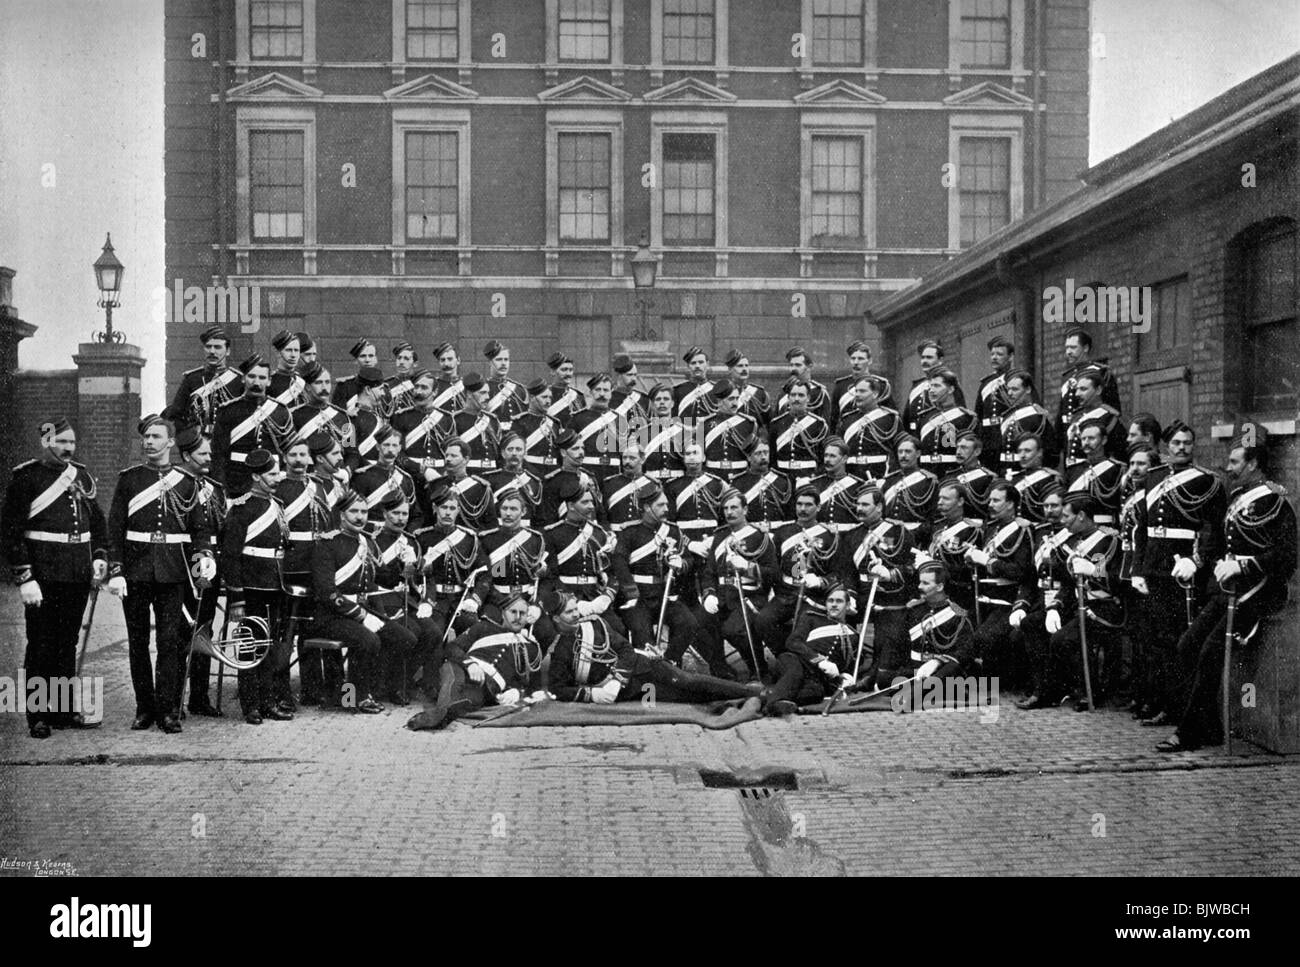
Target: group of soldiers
(446, 530)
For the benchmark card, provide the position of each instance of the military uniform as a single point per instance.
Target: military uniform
(820, 400)
(559, 482)
(999, 584)
(53, 529)
(797, 445)
(918, 407)
(242, 426)
(978, 481)
(478, 511)
(870, 439)
(1101, 481)
(600, 432)
(665, 441)
(910, 497)
(397, 599)
(347, 394)
(691, 400)
(577, 560)
(516, 561)
(449, 393)
(364, 425)
(620, 501)
(938, 436)
(453, 562)
(940, 631)
(399, 391)
(154, 526)
(376, 483)
(1033, 486)
(949, 541)
(481, 432)
(286, 388)
(812, 550)
(837, 499)
(310, 419)
(888, 613)
(1070, 404)
(726, 439)
(991, 409)
(507, 400)
(423, 434)
(768, 497)
(759, 572)
(526, 482)
(201, 606)
(843, 394)
(1109, 415)
(1026, 418)
(693, 505)
(252, 557)
(566, 403)
(815, 639)
(541, 453)
(754, 402)
(202, 391)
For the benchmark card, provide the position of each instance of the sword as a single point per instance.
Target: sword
(744, 614)
(670, 545)
(85, 628)
(862, 640)
(1083, 636)
(1227, 670)
(1189, 598)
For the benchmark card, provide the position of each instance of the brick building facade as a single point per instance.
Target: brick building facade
(416, 169)
(1205, 213)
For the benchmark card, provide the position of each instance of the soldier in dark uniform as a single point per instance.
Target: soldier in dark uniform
(944, 421)
(754, 401)
(1078, 358)
(205, 389)
(645, 557)
(1034, 481)
(398, 599)
(844, 392)
(953, 534)
(1259, 557)
(252, 422)
(286, 385)
(768, 494)
(628, 400)
(1024, 415)
(307, 349)
(1143, 458)
(837, 488)
(474, 426)
(366, 419)
(453, 562)
(401, 385)
(539, 430)
(489, 664)
(577, 553)
(347, 391)
(381, 480)
(424, 429)
(478, 510)
(1099, 476)
(516, 556)
(819, 397)
(448, 387)
(818, 659)
(506, 397)
(619, 492)
(910, 492)
(251, 560)
(1056, 651)
(317, 415)
(693, 502)
(739, 570)
(56, 542)
(691, 402)
(870, 431)
(590, 662)
(1182, 517)
(1002, 562)
(308, 515)
(568, 477)
(916, 409)
(566, 399)
(973, 475)
(513, 475)
(991, 405)
(195, 451)
(1144, 428)
(344, 565)
(797, 436)
(599, 430)
(810, 555)
(1091, 409)
(156, 529)
(727, 433)
(663, 438)
(939, 632)
(1041, 589)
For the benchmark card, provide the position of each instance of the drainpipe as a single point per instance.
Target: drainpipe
(1040, 167)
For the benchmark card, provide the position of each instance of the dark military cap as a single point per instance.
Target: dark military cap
(251, 363)
(259, 461)
(621, 363)
(283, 338)
(370, 376)
(214, 332)
(359, 347)
(494, 349)
(473, 382)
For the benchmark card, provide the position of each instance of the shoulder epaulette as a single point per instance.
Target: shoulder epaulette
(241, 499)
(554, 525)
(490, 530)
(553, 473)
(24, 465)
(333, 533)
(957, 609)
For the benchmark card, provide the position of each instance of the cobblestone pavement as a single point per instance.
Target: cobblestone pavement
(1050, 792)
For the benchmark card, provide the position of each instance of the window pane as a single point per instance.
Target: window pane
(432, 29)
(432, 182)
(584, 179)
(837, 32)
(688, 31)
(584, 30)
(984, 178)
(275, 29)
(837, 187)
(986, 33)
(688, 189)
(277, 174)
(1272, 365)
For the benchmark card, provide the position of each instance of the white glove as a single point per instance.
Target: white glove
(430, 474)
(880, 571)
(1016, 617)
(1083, 567)
(510, 696)
(470, 606)
(99, 571)
(977, 557)
(424, 610)
(711, 603)
(811, 580)
(207, 568)
(372, 623)
(928, 668)
(737, 562)
(343, 475)
(584, 609)
(538, 696)
(829, 667)
(599, 604)
(1184, 569)
(117, 586)
(846, 680)
(475, 672)
(533, 615)
(1139, 584)
(1226, 570)
(698, 547)
(30, 592)
(606, 692)
(1053, 621)
(676, 562)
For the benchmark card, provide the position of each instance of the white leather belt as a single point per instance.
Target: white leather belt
(480, 464)
(579, 579)
(938, 458)
(727, 464)
(858, 459)
(448, 589)
(911, 524)
(604, 460)
(797, 464)
(238, 457)
(622, 526)
(510, 588)
(50, 537)
(355, 598)
(1104, 519)
(268, 552)
(647, 579)
(1172, 533)
(697, 524)
(841, 527)
(157, 537)
(308, 536)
